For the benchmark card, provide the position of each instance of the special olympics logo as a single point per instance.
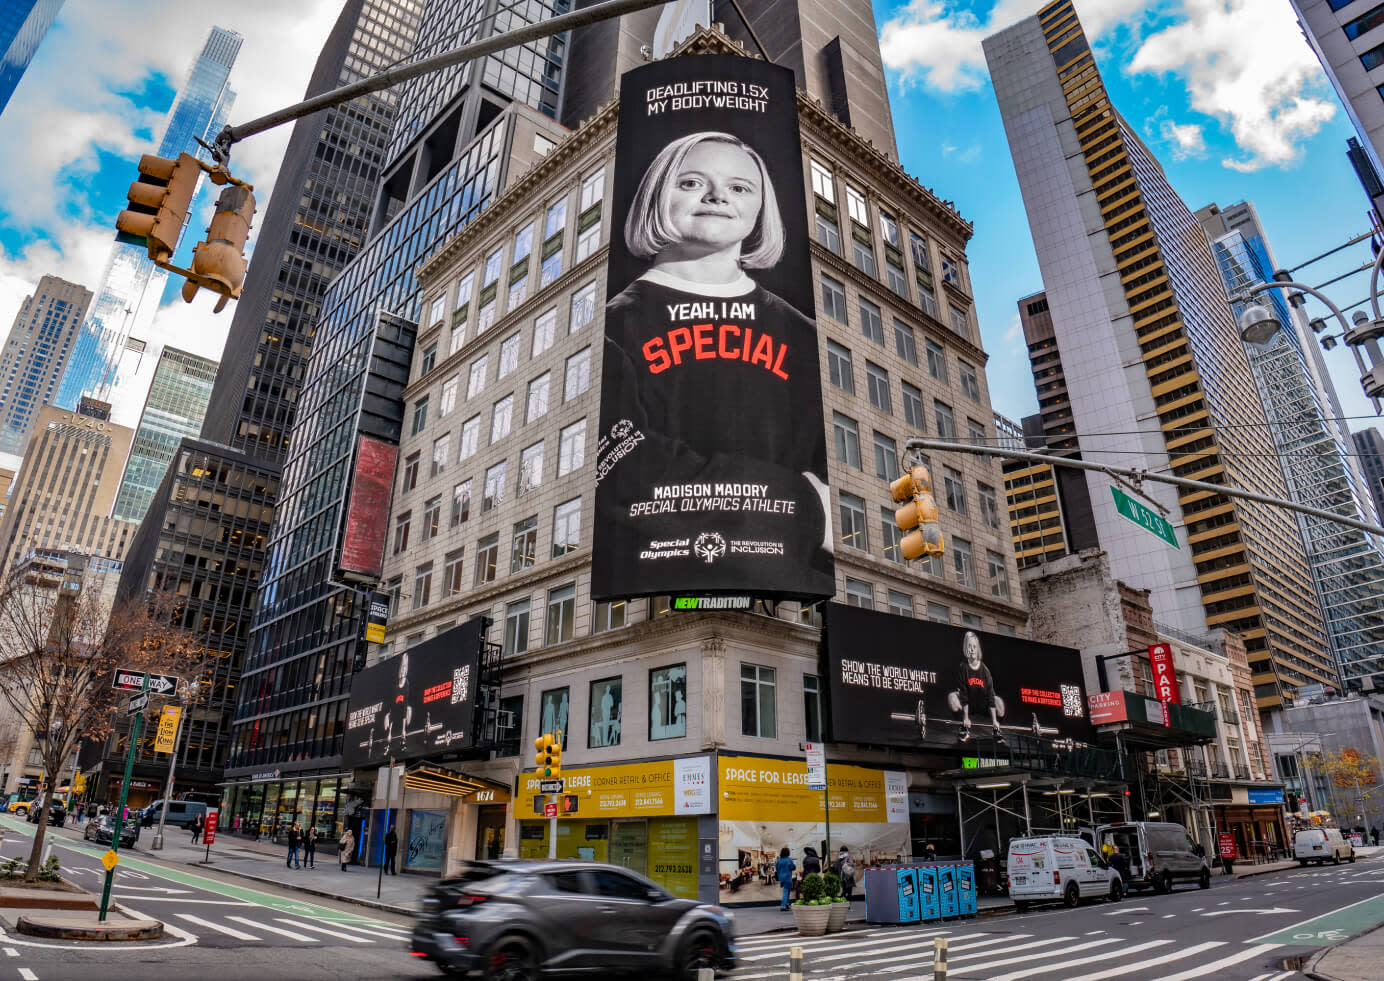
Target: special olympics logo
(709, 546)
(621, 429)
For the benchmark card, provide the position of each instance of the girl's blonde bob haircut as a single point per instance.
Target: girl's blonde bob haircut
(649, 227)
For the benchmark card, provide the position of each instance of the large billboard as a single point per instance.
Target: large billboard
(897, 681)
(419, 703)
(711, 463)
(367, 513)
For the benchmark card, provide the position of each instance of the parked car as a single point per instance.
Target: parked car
(1058, 868)
(102, 831)
(1160, 854)
(522, 920)
(180, 812)
(19, 806)
(1322, 845)
(57, 814)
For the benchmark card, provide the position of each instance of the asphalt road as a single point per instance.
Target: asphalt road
(215, 927)
(1254, 929)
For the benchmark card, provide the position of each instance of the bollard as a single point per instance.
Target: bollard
(939, 958)
(795, 964)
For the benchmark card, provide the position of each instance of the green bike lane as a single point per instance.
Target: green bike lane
(1330, 928)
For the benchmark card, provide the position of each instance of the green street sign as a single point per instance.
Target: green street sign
(1145, 517)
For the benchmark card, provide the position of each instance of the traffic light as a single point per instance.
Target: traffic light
(79, 784)
(159, 201)
(218, 262)
(919, 516)
(549, 756)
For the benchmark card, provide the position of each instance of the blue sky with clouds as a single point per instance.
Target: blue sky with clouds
(1225, 92)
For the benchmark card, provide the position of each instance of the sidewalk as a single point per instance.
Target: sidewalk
(750, 920)
(1355, 960)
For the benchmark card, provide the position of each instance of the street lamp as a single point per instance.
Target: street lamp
(1258, 325)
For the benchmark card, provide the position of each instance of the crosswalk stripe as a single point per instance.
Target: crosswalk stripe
(378, 930)
(1282, 977)
(759, 954)
(317, 929)
(1202, 971)
(273, 929)
(772, 939)
(965, 955)
(892, 950)
(917, 949)
(1032, 955)
(1144, 965)
(1063, 965)
(1262, 977)
(228, 931)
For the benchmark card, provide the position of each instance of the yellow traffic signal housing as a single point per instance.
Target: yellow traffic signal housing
(159, 202)
(555, 757)
(919, 516)
(548, 757)
(218, 263)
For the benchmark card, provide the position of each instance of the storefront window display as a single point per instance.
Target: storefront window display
(605, 713)
(268, 810)
(427, 833)
(553, 713)
(668, 702)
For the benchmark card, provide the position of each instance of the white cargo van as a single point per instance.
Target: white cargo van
(1062, 869)
(1322, 845)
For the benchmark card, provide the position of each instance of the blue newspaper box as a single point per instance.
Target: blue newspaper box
(946, 887)
(966, 889)
(908, 895)
(928, 896)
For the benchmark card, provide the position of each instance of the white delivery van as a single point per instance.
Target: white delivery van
(1322, 845)
(1064, 869)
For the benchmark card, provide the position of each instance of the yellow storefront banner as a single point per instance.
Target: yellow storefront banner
(168, 729)
(650, 789)
(757, 788)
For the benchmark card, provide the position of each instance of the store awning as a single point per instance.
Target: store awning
(454, 783)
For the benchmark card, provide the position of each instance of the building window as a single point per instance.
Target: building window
(927, 301)
(955, 490)
(487, 558)
(999, 577)
(470, 438)
(863, 255)
(839, 368)
(516, 627)
(530, 468)
(913, 407)
(501, 416)
(951, 272)
(592, 189)
(833, 299)
(451, 572)
(432, 517)
(946, 422)
(905, 341)
(566, 527)
(571, 449)
(523, 244)
(518, 291)
(939, 613)
(853, 522)
(827, 232)
(900, 604)
(1006, 628)
(855, 206)
(578, 375)
(583, 308)
(917, 247)
(448, 401)
(886, 458)
(461, 503)
(588, 240)
(556, 219)
(544, 332)
(420, 415)
(536, 404)
(475, 379)
(970, 384)
(1373, 58)
(888, 229)
(605, 713)
(871, 323)
(958, 322)
(812, 708)
(847, 435)
(422, 586)
(936, 361)
(441, 453)
(524, 545)
(892, 536)
(609, 615)
(668, 702)
(989, 506)
(962, 563)
(971, 620)
(757, 703)
(877, 380)
(822, 184)
(562, 614)
(493, 493)
(402, 523)
(975, 432)
(860, 593)
(509, 355)
(553, 705)
(510, 726)
(429, 359)
(410, 480)
(893, 275)
(1363, 24)
(394, 589)
(485, 317)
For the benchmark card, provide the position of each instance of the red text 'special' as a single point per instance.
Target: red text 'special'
(702, 342)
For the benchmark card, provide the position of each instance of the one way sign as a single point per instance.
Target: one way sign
(159, 684)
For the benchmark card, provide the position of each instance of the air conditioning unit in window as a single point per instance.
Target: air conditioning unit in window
(504, 720)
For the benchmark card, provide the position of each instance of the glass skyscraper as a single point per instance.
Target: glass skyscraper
(23, 23)
(130, 288)
(35, 354)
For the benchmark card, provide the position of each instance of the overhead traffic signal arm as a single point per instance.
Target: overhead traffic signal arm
(919, 516)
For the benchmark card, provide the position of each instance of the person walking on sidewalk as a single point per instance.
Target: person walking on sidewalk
(345, 847)
(844, 867)
(784, 869)
(391, 849)
(310, 847)
(295, 839)
(196, 827)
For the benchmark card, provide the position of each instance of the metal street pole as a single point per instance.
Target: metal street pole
(168, 784)
(72, 780)
(384, 832)
(118, 820)
(554, 800)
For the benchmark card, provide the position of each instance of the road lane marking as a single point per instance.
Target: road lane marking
(768, 940)
(905, 948)
(317, 929)
(273, 929)
(1010, 950)
(376, 930)
(819, 948)
(1115, 972)
(1203, 970)
(27, 974)
(1039, 954)
(1063, 965)
(11, 952)
(220, 928)
(1093, 933)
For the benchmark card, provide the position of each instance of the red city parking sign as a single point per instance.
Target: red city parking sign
(209, 829)
(550, 810)
(1226, 841)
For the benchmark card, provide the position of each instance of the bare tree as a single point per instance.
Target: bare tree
(59, 650)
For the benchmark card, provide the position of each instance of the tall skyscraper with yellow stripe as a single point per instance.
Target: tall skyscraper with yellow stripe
(1155, 369)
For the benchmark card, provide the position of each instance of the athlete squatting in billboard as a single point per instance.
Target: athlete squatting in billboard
(711, 466)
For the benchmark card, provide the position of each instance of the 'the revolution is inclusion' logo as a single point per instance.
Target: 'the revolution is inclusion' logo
(709, 546)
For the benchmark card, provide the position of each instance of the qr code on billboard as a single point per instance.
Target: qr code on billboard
(461, 683)
(1071, 701)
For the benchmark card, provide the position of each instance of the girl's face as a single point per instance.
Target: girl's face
(973, 651)
(715, 196)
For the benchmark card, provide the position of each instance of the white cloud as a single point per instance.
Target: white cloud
(1187, 139)
(1015, 333)
(1244, 62)
(937, 42)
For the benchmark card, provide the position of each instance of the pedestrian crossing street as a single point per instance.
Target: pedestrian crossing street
(976, 955)
(256, 925)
